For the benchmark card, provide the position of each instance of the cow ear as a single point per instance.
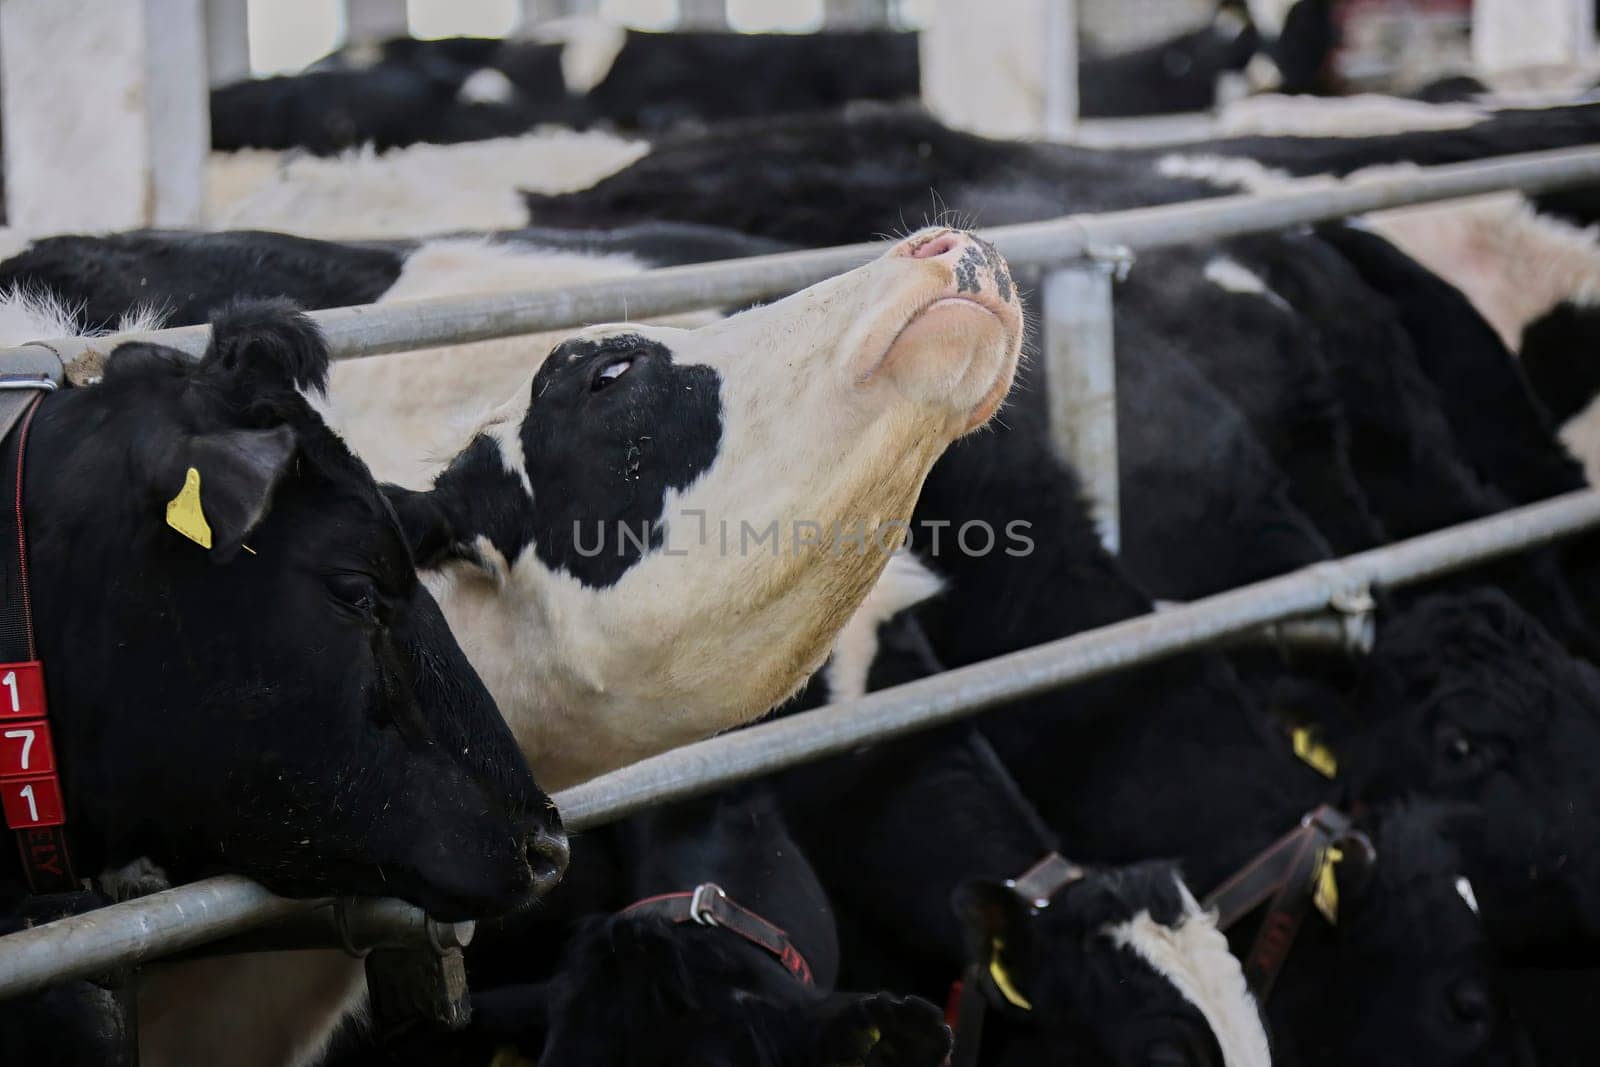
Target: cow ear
(432, 530)
(998, 931)
(221, 486)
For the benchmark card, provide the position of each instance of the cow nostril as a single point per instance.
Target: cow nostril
(548, 854)
(934, 247)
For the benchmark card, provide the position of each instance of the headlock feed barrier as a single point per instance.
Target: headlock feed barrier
(232, 913)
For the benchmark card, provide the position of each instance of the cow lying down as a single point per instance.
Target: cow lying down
(329, 739)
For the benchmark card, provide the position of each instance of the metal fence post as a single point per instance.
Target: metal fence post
(702, 14)
(1081, 380)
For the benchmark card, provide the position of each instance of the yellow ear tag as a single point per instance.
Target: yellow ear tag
(184, 514)
(1002, 979)
(1314, 753)
(1326, 894)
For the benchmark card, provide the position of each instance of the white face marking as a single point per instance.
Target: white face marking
(1194, 957)
(1464, 891)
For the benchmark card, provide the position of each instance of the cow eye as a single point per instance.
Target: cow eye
(356, 592)
(609, 372)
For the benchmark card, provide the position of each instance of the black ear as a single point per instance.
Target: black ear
(266, 344)
(230, 490)
(998, 930)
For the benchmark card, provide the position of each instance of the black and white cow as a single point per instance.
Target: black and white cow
(594, 526)
(275, 742)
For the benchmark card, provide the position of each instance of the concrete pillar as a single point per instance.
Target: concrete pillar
(537, 11)
(848, 14)
(106, 123)
(227, 40)
(703, 14)
(374, 20)
(1005, 68)
(1517, 34)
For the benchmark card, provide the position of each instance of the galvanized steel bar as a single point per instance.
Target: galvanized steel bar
(194, 915)
(409, 324)
(734, 757)
(1081, 384)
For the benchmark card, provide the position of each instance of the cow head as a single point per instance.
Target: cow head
(1122, 967)
(1467, 699)
(1406, 974)
(275, 694)
(635, 992)
(659, 537)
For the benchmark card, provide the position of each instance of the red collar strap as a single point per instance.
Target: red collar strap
(708, 905)
(30, 786)
(1284, 874)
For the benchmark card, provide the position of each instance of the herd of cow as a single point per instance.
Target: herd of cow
(429, 581)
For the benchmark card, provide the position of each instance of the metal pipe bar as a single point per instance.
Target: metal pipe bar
(369, 330)
(734, 757)
(188, 916)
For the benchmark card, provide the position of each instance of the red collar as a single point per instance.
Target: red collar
(708, 905)
(30, 786)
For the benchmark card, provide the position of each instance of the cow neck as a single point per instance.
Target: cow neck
(30, 782)
(708, 905)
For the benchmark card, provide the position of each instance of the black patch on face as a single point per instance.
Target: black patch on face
(601, 455)
(997, 268)
(602, 450)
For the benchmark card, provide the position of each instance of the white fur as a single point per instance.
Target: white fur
(589, 47)
(904, 583)
(1269, 15)
(486, 86)
(408, 192)
(1512, 263)
(1235, 277)
(1366, 115)
(27, 316)
(1581, 435)
(1243, 175)
(1464, 891)
(1194, 957)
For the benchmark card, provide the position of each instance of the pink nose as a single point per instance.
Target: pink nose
(941, 244)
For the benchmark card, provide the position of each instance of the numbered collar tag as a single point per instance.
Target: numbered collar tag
(22, 691)
(30, 791)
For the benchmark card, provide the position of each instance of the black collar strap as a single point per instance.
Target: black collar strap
(1040, 883)
(1285, 874)
(30, 786)
(708, 905)
(966, 1005)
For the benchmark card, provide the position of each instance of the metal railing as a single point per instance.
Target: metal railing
(216, 909)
